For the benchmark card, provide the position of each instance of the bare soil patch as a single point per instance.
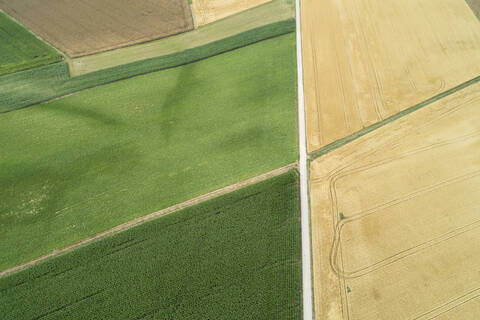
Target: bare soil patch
(274, 11)
(395, 224)
(367, 60)
(82, 27)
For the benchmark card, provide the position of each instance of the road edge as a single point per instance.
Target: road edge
(304, 202)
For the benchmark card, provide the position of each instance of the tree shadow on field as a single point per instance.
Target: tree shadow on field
(175, 99)
(241, 140)
(50, 197)
(70, 110)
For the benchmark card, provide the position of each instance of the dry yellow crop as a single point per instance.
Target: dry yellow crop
(395, 218)
(367, 60)
(207, 11)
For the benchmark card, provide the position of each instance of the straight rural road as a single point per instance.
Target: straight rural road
(304, 204)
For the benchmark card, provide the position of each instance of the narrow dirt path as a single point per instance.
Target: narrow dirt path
(152, 216)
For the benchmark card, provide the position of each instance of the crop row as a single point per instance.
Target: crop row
(233, 257)
(30, 88)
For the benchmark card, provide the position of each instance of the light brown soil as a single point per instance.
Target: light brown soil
(395, 218)
(152, 216)
(82, 27)
(207, 11)
(367, 60)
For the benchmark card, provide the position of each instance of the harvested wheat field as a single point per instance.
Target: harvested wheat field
(475, 6)
(395, 218)
(82, 27)
(207, 11)
(381, 58)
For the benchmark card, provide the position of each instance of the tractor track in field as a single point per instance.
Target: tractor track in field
(152, 216)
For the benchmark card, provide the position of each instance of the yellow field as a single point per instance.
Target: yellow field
(367, 60)
(207, 11)
(395, 218)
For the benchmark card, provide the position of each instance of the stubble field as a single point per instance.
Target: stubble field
(110, 24)
(271, 12)
(475, 5)
(82, 164)
(208, 11)
(384, 57)
(395, 225)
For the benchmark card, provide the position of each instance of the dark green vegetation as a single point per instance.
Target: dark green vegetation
(233, 257)
(35, 90)
(20, 50)
(338, 143)
(76, 166)
(25, 87)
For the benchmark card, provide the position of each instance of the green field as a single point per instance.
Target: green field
(268, 13)
(79, 165)
(20, 50)
(233, 257)
(38, 85)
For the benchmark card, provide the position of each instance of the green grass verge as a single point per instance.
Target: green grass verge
(234, 257)
(265, 14)
(20, 50)
(35, 91)
(82, 164)
(338, 143)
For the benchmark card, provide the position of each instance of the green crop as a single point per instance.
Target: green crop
(82, 164)
(39, 85)
(234, 257)
(20, 50)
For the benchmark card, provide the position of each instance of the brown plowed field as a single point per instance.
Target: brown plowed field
(207, 11)
(82, 27)
(367, 60)
(395, 218)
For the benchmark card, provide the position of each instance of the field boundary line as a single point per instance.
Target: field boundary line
(61, 53)
(304, 190)
(152, 216)
(475, 7)
(95, 79)
(341, 142)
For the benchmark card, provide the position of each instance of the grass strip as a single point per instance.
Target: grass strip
(339, 143)
(37, 91)
(20, 49)
(77, 166)
(234, 257)
(475, 6)
(152, 216)
(267, 13)
(31, 86)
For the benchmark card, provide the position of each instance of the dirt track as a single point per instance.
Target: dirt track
(395, 224)
(82, 27)
(208, 11)
(153, 216)
(383, 57)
